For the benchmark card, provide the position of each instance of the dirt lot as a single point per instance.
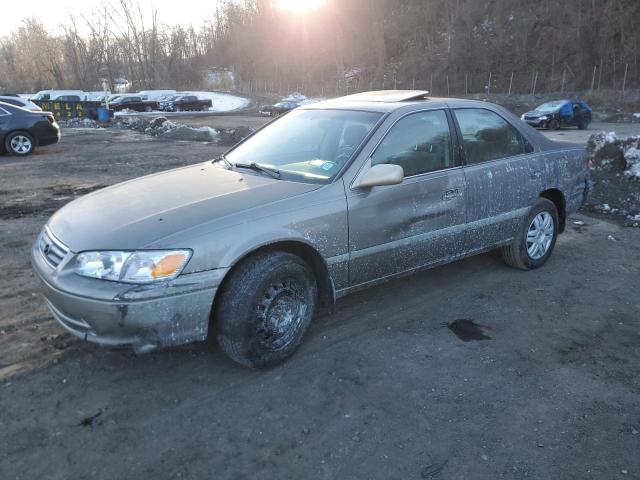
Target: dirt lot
(380, 389)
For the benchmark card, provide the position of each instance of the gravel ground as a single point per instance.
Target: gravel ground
(545, 386)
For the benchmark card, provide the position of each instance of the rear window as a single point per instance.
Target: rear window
(12, 101)
(487, 136)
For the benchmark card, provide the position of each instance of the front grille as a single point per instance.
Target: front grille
(51, 248)
(530, 118)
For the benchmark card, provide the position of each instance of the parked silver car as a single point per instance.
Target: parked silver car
(330, 198)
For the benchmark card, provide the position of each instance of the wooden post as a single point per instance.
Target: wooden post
(564, 75)
(489, 86)
(448, 93)
(413, 84)
(593, 78)
(624, 80)
(431, 85)
(395, 81)
(535, 82)
(466, 84)
(510, 83)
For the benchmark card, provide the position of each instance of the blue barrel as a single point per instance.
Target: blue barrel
(103, 114)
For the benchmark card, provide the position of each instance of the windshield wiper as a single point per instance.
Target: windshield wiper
(223, 157)
(272, 172)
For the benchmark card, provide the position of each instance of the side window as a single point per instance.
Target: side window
(487, 136)
(419, 143)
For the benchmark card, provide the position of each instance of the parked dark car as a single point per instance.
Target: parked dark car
(560, 113)
(278, 108)
(184, 103)
(322, 202)
(133, 103)
(22, 130)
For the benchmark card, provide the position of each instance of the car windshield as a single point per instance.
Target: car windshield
(307, 145)
(549, 106)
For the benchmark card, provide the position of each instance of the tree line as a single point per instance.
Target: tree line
(448, 46)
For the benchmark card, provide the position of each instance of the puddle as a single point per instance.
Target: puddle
(467, 330)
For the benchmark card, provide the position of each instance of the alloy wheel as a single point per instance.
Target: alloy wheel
(540, 235)
(21, 144)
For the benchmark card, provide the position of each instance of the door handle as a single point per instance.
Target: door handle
(450, 194)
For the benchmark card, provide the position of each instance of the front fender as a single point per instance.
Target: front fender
(317, 220)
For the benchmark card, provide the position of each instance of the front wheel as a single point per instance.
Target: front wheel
(553, 124)
(535, 240)
(265, 308)
(19, 143)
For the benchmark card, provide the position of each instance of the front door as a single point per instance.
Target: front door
(399, 228)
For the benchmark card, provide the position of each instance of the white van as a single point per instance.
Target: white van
(56, 94)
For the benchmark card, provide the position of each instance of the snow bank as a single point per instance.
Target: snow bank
(632, 157)
(221, 102)
(300, 99)
(608, 150)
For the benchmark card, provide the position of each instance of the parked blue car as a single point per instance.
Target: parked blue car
(560, 113)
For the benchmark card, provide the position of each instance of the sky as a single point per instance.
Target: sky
(56, 12)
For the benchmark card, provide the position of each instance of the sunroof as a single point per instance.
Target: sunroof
(388, 96)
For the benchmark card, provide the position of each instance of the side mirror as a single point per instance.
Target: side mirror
(381, 174)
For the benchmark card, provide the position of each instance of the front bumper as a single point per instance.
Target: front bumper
(536, 122)
(116, 314)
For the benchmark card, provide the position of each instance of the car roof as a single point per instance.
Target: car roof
(384, 101)
(15, 108)
(11, 97)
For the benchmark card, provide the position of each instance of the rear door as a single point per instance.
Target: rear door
(497, 174)
(399, 228)
(5, 118)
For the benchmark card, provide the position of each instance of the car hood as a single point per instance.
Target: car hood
(534, 113)
(139, 212)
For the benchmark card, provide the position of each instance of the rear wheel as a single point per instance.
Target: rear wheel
(536, 238)
(582, 125)
(148, 109)
(19, 143)
(265, 308)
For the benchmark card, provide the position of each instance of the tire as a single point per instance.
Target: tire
(553, 124)
(582, 125)
(148, 109)
(20, 144)
(521, 253)
(260, 295)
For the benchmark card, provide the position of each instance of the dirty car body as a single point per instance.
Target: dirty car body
(462, 190)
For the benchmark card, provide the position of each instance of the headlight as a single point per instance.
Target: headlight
(522, 117)
(132, 267)
(544, 117)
